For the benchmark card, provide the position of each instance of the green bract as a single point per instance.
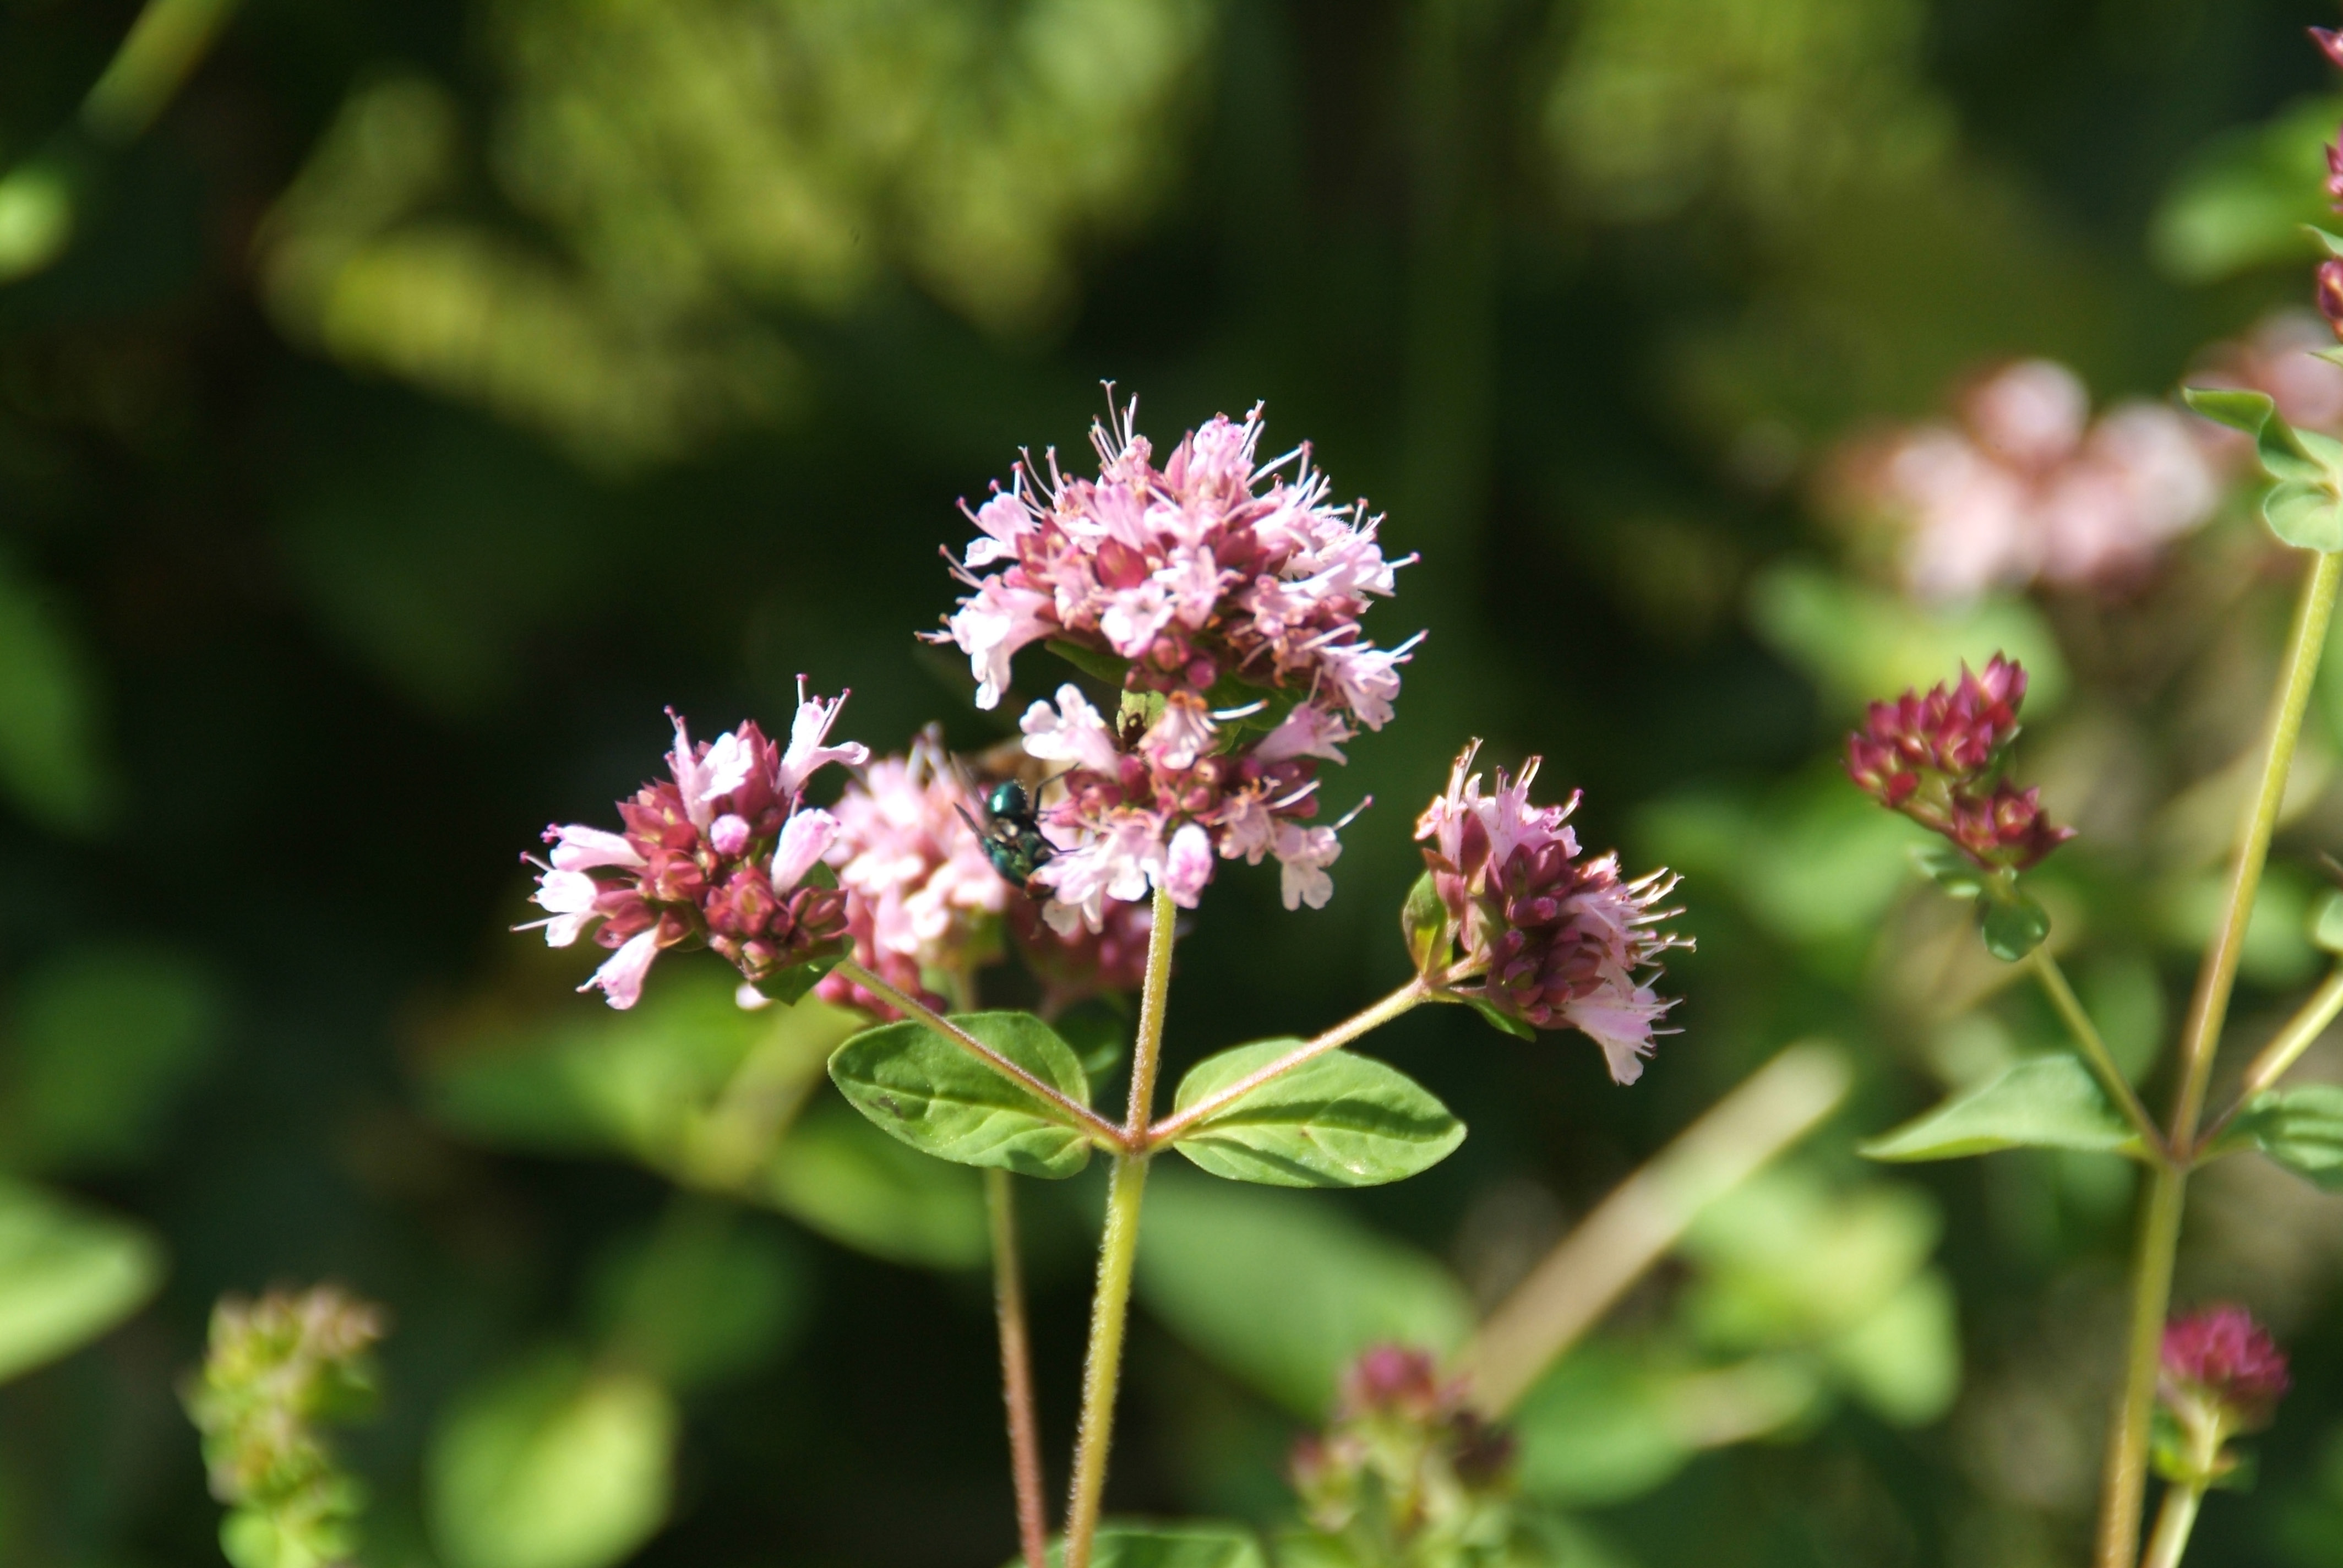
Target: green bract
(1423, 922)
(2305, 508)
(2012, 923)
(2045, 1102)
(944, 1100)
(1336, 1121)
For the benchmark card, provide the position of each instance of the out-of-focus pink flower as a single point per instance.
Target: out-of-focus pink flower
(1557, 942)
(2026, 487)
(1398, 1421)
(2330, 293)
(1932, 758)
(2330, 44)
(2221, 1356)
(1075, 967)
(2279, 356)
(717, 853)
(923, 895)
(1211, 574)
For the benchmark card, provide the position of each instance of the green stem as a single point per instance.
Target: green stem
(2095, 1052)
(1017, 1370)
(1119, 1248)
(2125, 1482)
(2173, 1523)
(1411, 995)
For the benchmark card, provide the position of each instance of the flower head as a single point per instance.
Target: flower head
(1208, 576)
(1933, 758)
(1557, 942)
(2220, 1374)
(924, 898)
(1404, 1442)
(722, 852)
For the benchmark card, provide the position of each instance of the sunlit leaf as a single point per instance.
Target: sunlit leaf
(551, 1464)
(2301, 1129)
(67, 1276)
(2241, 201)
(1789, 1260)
(1336, 1121)
(943, 1101)
(1608, 1423)
(1283, 1290)
(2045, 1103)
(1424, 924)
(1904, 1360)
(2304, 507)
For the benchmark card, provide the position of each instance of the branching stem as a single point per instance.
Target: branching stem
(2095, 1053)
(1410, 995)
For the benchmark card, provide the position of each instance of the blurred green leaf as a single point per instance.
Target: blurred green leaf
(53, 755)
(2301, 1129)
(842, 1178)
(1336, 1121)
(1608, 1423)
(2012, 924)
(1186, 1544)
(107, 1039)
(918, 1087)
(1284, 1290)
(707, 1294)
(1949, 869)
(1862, 644)
(1098, 1031)
(1904, 1360)
(2043, 1102)
(551, 1464)
(2327, 922)
(2242, 200)
(2304, 507)
(67, 1275)
(1788, 1261)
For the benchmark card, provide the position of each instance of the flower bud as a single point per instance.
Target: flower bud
(2219, 1375)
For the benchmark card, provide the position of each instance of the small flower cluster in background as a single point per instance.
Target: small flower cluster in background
(2220, 1376)
(1937, 758)
(1558, 942)
(1406, 1471)
(721, 853)
(275, 1372)
(2025, 487)
(1227, 599)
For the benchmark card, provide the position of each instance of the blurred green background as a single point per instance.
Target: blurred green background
(400, 402)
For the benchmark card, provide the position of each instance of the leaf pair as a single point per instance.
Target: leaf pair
(1335, 1121)
(2304, 507)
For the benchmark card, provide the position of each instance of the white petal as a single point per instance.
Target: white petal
(621, 976)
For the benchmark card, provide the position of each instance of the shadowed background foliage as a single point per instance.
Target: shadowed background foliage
(401, 403)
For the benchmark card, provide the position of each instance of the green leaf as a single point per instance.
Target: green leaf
(1099, 665)
(1424, 924)
(1336, 1121)
(1949, 869)
(2012, 923)
(2043, 1102)
(1607, 1424)
(2327, 922)
(1188, 1543)
(1282, 1289)
(107, 1040)
(1100, 1032)
(2301, 1129)
(1904, 1360)
(843, 1179)
(67, 1276)
(1789, 1261)
(2332, 243)
(2243, 198)
(714, 1291)
(945, 1102)
(2305, 508)
(53, 761)
(1503, 1022)
(551, 1464)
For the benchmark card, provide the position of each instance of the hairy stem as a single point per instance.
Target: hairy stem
(2095, 1052)
(1633, 1228)
(1100, 1130)
(1410, 995)
(2125, 1482)
(2173, 1523)
(1017, 1370)
(1119, 1248)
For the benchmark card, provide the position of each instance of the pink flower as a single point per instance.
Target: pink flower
(716, 854)
(1082, 963)
(1933, 758)
(1555, 942)
(2277, 357)
(922, 894)
(2025, 488)
(2222, 1357)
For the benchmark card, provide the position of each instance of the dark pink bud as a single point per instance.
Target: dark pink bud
(2329, 41)
(2330, 293)
(2220, 1354)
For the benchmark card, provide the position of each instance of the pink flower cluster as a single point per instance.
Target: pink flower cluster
(1932, 758)
(2277, 357)
(718, 852)
(1075, 966)
(2025, 486)
(2328, 289)
(1208, 576)
(1398, 1421)
(1558, 943)
(2219, 1359)
(922, 897)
